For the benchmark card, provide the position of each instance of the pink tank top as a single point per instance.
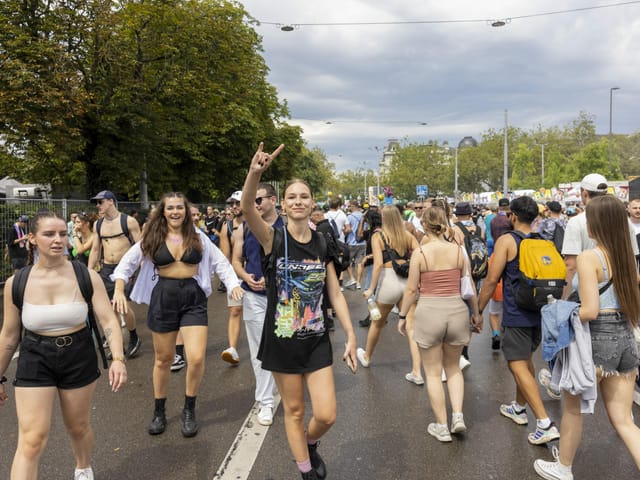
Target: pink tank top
(439, 283)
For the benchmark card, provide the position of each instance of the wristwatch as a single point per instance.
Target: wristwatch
(3, 380)
(119, 359)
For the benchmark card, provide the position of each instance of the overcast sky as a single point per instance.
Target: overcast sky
(376, 82)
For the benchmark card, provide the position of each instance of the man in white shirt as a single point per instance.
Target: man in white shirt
(634, 214)
(337, 218)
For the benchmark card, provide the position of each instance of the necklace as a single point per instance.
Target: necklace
(175, 239)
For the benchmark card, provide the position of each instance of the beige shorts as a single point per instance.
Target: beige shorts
(441, 320)
(390, 287)
(233, 303)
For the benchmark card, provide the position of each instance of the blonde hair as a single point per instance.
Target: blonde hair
(393, 229)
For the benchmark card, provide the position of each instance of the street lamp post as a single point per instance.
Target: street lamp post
(542, 161)
(455, 178)
(611, 126)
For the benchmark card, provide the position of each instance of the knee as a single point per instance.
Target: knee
(325, 417)
(163, 360)
(79, 429)
(195, 361)
(32, 444)
(295, 412)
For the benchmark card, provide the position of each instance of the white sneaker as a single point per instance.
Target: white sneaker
(441, 432)
(349, 283)
(358, 286)
(544, 378)
(464, 363)
(457, 423)
(83, 474)
(552, 470)
(360, 354)
(230, 355)
(444, 375)
(265, 416)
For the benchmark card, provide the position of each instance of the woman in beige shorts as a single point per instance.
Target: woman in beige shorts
(441, 321)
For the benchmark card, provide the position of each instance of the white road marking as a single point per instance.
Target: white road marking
(244, 450)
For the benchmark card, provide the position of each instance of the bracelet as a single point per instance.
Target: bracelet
(402, 317)
(3, 380)
(118, 359)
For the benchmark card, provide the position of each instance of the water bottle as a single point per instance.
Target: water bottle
(374, 312)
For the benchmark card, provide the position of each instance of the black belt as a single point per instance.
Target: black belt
(61, 341)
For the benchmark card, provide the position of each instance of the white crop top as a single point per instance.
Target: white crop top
(54, 318)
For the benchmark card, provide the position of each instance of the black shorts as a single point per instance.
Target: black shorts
(176, 303)
(105, 272)
(65, 362)
(519, 343)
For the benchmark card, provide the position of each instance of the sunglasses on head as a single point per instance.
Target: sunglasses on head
(233, 204)
(259, 199)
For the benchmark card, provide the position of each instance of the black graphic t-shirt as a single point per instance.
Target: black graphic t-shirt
(295, 338)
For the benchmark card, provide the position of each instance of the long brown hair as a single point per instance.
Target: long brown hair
(608, 225)
(156, 229)
(393, 229)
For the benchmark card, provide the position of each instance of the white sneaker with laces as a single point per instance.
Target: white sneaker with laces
(457, 423)
(265, 416)
(544, 378)
(552, 470)
(441, 432)
(83, 474)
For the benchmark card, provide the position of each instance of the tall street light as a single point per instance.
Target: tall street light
(611, 126)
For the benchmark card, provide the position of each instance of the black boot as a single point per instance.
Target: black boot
(310, 475)
(189, 424)
(316, 461)
(366, 322)
(159, 422)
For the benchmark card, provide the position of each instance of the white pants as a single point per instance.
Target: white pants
(254, 308)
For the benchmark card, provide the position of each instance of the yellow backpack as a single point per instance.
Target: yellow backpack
(542, 272)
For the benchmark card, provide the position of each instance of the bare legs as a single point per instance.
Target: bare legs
(433, 360)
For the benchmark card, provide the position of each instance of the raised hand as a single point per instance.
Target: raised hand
(261, 160)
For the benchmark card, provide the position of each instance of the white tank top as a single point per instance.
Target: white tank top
(54, 318)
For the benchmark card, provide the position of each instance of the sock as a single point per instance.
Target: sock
(180, 350)
(496, 333)
(160, 402)
(519, 407)
(563, 468)
(189, 402)
(305, 466)
(311, 441)
(87, 471)
(543, 423)
(455, 416)
(133, 336)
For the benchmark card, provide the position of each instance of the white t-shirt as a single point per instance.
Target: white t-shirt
(576, 239)
(341, 220)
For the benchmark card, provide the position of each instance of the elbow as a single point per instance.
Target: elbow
(587, 314)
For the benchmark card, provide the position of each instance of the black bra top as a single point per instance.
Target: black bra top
(163, 256)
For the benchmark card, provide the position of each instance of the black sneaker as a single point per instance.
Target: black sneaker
(366, 322)
(316, 461)
(158, 424)
(178, 363)
(190, 426)
(495, 342)
(310, 475)
(133, 348)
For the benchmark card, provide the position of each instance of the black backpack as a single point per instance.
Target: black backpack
(558, 237)
(84, 282)
(477, 251)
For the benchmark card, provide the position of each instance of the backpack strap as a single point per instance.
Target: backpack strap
(84, 282)
(18, 286)
(387, 247)
(466, 231)
(124, 226)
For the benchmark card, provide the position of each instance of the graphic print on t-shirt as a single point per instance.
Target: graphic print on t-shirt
(299, 308)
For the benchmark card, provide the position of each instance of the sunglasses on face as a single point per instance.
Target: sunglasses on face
(259, 199)
(234, 204)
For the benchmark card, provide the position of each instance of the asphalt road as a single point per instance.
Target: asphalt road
(381, 431)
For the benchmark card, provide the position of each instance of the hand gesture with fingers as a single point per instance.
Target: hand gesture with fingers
(261, 160)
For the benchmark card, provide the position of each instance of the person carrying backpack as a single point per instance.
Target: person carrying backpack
(474, 243)
(522, 327)
(552, 227)
(57, 354)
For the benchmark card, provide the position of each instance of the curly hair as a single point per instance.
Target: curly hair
(156, 230)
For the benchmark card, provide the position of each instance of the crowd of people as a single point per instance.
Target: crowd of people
(438, 266)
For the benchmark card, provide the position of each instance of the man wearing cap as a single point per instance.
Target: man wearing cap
(17, 243)
(116, 233)
(576, 237)
(230, 354)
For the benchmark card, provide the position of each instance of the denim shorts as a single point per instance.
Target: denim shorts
(613, 344)
(65, 362)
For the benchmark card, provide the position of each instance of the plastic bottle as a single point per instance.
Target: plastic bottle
(374, 311)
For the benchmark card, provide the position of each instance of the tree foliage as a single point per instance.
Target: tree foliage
(107, 90)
